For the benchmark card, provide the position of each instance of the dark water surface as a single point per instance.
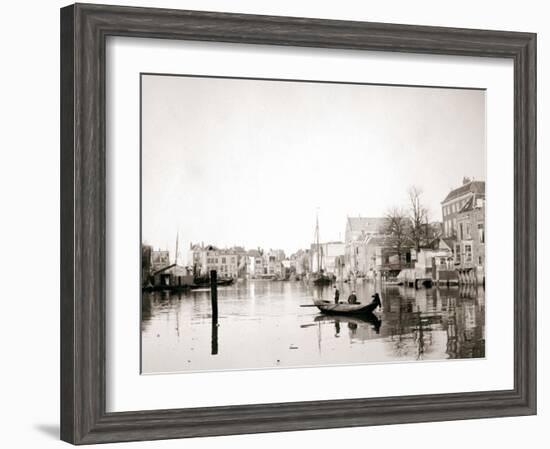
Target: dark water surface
(261, 325)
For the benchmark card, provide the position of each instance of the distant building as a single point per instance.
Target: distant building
(159, 259)
(288, 268)
(242, 260)
(381, 257)
(358, 231)
(357, 227)
(470, 241)
(146, 268)
(261, 264)
(437, 262)
(455, 201)
(273, 262)
(172, 276)
(205, 258)
(302, 262)
(255, 263)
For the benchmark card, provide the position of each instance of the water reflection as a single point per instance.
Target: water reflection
(261, 324)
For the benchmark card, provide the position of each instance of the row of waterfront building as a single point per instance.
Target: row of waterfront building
(452, 251)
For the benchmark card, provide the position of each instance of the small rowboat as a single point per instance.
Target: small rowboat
(330, 307)
(347, 308)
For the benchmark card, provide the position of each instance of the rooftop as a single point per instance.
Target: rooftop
(367, 224)
(476, 187)
(385, 241)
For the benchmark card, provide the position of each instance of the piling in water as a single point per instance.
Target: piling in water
(214, 299)
(214, 293)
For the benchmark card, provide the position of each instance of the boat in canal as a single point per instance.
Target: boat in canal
(204, 281)
(319, 277)
(345, 308)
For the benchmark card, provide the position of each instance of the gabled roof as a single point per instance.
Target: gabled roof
(367, 224)
(164, 269)
(444, 242)
(477, 187)
(253, 253)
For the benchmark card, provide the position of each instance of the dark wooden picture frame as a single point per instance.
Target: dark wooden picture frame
(84, 29)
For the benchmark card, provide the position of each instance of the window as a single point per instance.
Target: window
(481, 233)
(480, 260)
(461, 229)
(223, 259)
(467, 253)
(468, 231)
(457, 254)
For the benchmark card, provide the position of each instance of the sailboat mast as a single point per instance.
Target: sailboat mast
(318, 245)
(176, 255)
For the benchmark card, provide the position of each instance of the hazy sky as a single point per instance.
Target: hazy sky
(249, 162)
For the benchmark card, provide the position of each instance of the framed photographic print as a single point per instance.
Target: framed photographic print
(276, 223)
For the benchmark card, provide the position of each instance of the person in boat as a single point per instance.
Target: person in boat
(352, 299)
(374, 304)
(336, 295)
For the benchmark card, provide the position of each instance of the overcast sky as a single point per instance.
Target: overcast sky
(249, 162)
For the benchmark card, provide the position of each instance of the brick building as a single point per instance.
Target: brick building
(470, 241)
(455, 201)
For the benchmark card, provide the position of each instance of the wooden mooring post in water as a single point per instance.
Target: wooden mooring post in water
(214, 300)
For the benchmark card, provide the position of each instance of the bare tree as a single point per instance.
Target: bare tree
(418, 215)
(397, 226)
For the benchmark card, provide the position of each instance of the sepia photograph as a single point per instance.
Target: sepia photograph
(305, 223)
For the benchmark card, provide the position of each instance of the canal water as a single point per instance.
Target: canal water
(262, 324)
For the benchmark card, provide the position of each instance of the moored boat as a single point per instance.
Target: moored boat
(205, 282)
(319, 277)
